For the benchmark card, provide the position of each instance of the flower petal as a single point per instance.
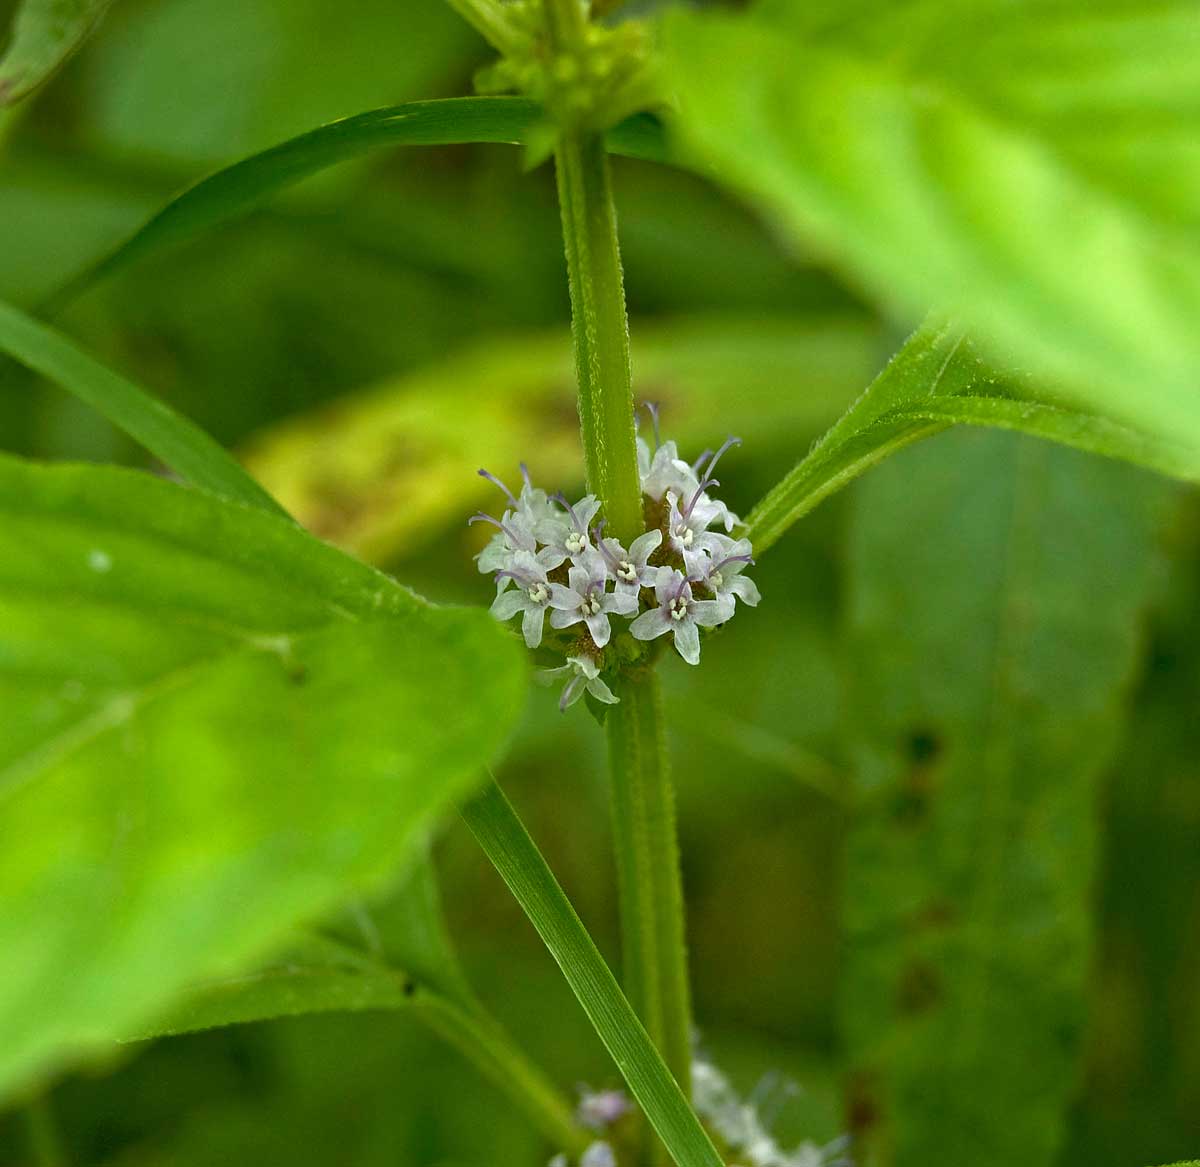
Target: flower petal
(745, 589)
(507, 604)
(531, 625)
(561, 619)
(687, 641)
(644, 546)
(650, 624)
(602, 692)
(564, 599)
(710, 613)
(599, 628)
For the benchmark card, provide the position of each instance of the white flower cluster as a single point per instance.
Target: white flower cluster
(679, 576)
(743, 1127)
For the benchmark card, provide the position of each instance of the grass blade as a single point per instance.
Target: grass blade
(239, 188)
(168, 435)
(515, 856)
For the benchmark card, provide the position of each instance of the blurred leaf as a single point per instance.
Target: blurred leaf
(515, 856)
(45, 34)
(196, 82)
(244, 185)
(215, 728)
(384, 472)
(997, 591)
(936, 380)
(310, 975)
(1031, 168)
(178, 442)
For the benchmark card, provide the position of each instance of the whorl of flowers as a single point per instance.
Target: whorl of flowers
(551, 558)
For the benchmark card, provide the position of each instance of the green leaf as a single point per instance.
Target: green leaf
(515, 856)
(182, 445)
(215, 728)
(1029, 168)
(997, 591)
(239, 188)
(45, 34)
(936, 380)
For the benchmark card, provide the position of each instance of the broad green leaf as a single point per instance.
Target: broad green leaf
(936, 380)
(516, 857)
(182, 445)
(1030, 168)
(241, 187)
(997, 589)
(503, 402)
(45, 34)
(215, 728)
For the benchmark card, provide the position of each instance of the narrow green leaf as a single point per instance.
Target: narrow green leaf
(515, 856)
(181, 444)
(997, 591)
(45, 34)
(936, 380)
(215, 728)
(310, 975)
(240, 188)
(1030, 169)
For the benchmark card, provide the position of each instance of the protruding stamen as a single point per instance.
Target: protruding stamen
(496, 482)
(730, 559)
(651, 408)
(480, 517)
(614, 562)
(717, 456)
(687, 514)
(700, 462)
(525, 475)
(562, 498)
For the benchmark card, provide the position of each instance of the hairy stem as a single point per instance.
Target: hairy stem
(647, 850)
(600, 328)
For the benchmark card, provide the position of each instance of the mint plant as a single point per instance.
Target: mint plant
(226, 741)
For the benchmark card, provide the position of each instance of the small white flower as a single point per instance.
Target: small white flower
(630, 569)
(601, 1108)
(583, 675)
(586, 598)
(721, 572)
(515, 534)
(598, 1155)
(664, 470)
(680, 614)
(531, 596)
(568, 534)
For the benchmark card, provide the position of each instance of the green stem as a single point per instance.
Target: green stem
(483, 1041)
(515, 856)
(647, 850)
(600, 327)
(492, 23)
(45, 1146)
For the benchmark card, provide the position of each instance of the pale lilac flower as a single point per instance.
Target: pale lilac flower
(598, 1155)
(631, 568)
(712, 510)
(679, 613)
(586, 598)
(601, 1108)
(515, 534)
(582, 675)
(567, 533)
(687, 525)
(531, 596)
(721, 572)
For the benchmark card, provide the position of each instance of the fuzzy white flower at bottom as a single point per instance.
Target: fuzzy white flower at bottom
(679, 613)
(583, 676)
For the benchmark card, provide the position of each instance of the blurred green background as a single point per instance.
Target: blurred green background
(368, 342)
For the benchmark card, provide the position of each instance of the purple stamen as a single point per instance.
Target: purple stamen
(700, 462)
(520, 577)
(683, 583)
(687, 514)
(728, 442)
(496, 482)
(730, 559)
(525, 475)
(597, 533)
(562, 498)
(651, 408)
(480, 517)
